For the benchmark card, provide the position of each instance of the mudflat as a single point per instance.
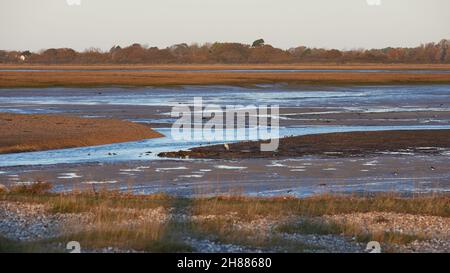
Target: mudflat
(332, 144)
(26, 132)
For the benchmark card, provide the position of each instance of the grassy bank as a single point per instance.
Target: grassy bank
(94, 78)
(162, 223)
(169, 67)
(26, 132)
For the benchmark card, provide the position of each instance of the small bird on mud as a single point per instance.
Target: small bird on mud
(226, 147)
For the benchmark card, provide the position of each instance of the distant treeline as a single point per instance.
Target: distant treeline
(231, 53)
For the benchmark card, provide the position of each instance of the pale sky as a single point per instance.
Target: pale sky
(342, 24)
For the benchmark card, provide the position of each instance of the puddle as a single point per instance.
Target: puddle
(99, 182)
(69, 176)
(170, 169)
(226, 167)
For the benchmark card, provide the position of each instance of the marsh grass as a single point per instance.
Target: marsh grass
(122, 220)
(320, 227)
(251, 207)
(170, 78)
(11, 246)
(168, 67)
(147, 237)
(47, 131)
(32, 189)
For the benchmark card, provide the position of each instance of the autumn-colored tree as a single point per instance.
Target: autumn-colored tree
(160, 56)
(269, 54)
(443, 50)
(181, 52)
(201, 54)
(93, 56)
(231, 53)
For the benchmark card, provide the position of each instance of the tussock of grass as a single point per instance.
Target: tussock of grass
(320, 227)
(34, 188)
(85, 202)
(250, 207)
(149, 237)
(11, 246)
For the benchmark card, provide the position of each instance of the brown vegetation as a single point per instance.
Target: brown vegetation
(161, 222)
(22, 133)
(127, 78)
(200, 67)
(235, 53)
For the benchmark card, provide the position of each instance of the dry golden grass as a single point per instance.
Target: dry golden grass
(250, 207)
(124, 229)
(320, 227)
(122, 220)
(321, 66)
(23, 133)
(128, 78)
(243, 207)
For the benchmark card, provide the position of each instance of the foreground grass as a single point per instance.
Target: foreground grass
(246, 208)
(11, 246)
(314, 226)
(129, 222)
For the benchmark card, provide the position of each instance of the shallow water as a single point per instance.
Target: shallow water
(149, 149)
(360, 99)
(304, 110)
(345, 99)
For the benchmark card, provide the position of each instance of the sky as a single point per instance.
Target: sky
(342, 24)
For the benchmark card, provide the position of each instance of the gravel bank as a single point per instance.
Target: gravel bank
(31, 222)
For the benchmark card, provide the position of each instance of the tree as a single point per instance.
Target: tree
(259, 42)
(181, 52)
(269, 54)
(26, 53)
(229, 52)
(443, 49)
